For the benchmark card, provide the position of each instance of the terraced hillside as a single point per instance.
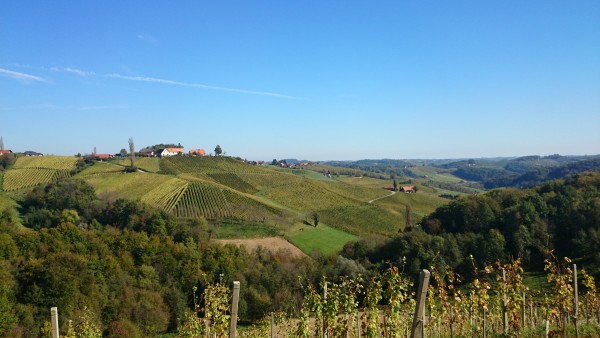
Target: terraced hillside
(198, 190)
(28, 172)
(221, 187)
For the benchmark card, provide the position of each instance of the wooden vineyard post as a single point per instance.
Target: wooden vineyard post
(325, 333)
(451, 321)
(546, 325)
(575, 301)
(484, 322)
(54, 321)
(419, 317)
(234, 309)
(272, 325)
(357, 324)
(523, 312)
(504, 304)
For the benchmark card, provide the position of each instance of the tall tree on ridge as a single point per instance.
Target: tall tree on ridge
(218, 150)
(131, 150)
(409, 224)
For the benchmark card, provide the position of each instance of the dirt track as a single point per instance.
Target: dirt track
(272, 244)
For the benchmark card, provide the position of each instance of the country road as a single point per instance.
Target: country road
(378, 198)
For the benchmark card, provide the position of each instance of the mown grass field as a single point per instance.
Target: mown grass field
(236, 229)
(322, 238)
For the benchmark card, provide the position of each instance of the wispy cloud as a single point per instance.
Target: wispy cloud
(147, 38)
(21, 76)
(75, 71)
(197, 85)
(104, 107)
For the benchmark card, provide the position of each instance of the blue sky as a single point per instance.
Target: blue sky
(319, 80)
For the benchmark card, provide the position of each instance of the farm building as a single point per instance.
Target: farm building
(198, 152)
(5, 152)
(169, 152)
(409, 189)
(147, 152)
(389, 187)
(102, 156)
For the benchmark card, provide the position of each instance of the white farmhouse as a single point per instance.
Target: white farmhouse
(169, 151)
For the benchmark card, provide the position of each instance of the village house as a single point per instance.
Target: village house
(147, 152)
(102, 156)
(5, 152)
(197, 152)
(409, 189)
(169, 152)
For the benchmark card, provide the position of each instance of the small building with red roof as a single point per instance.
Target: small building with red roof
(197, 152)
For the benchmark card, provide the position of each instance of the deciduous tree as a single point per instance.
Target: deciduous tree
(131, 151)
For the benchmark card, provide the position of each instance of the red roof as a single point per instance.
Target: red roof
(174, 150)
(200, 152)
(103, 156)
(2, 152)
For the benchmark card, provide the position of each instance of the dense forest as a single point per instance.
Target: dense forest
(135, 267)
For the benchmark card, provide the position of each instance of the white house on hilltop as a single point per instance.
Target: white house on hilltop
(169, 152)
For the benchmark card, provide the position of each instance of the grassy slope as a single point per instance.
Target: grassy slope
(421, 203)
(322, 238)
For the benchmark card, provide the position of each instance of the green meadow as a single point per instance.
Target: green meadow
(322, 238)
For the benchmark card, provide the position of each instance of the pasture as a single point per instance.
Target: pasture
(322, 238)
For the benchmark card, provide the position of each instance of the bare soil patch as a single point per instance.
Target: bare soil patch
(272, 244)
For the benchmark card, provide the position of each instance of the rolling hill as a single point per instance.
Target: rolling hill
(234, 195)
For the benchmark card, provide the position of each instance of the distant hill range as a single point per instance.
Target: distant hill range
(491, 173)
